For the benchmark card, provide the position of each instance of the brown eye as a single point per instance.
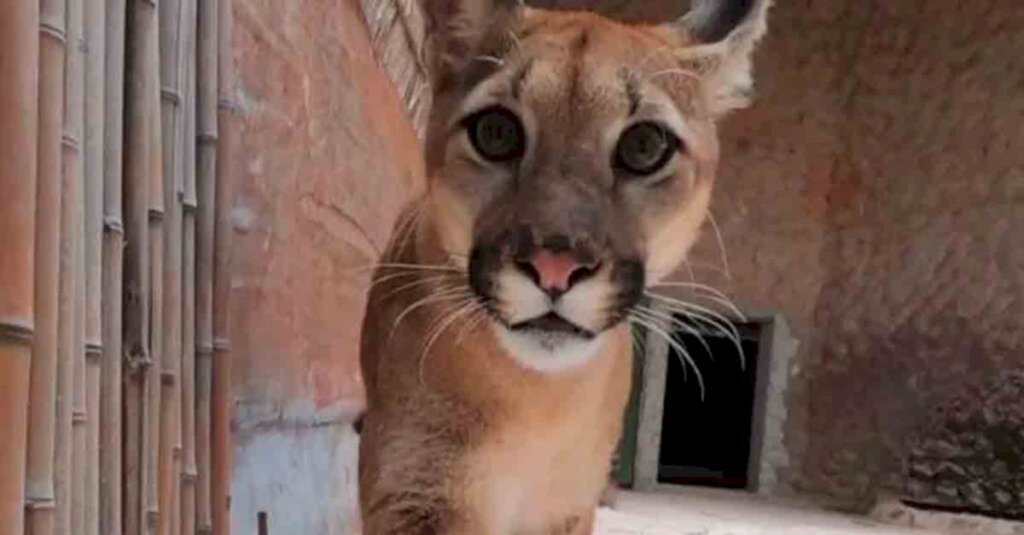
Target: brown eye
(496, 134)
(645, 148)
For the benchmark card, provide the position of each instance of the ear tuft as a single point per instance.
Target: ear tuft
(723, 35)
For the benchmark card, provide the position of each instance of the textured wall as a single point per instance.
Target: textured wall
(952, 464)
(328, 158)
(924, 293)
(875, 197)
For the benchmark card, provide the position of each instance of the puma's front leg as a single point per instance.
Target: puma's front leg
(585, 526)
(581, 524)
(421, 520)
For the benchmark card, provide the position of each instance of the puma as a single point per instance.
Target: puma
(570, 161)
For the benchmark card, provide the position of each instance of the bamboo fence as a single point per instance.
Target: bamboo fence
(95, 100)
(136, 306)
(111, 428)
(220, 422)
(114, 409)
(74, 171)
(19, 63)
(71, 320)
(39, 485)
(206, 162)
(188, 284)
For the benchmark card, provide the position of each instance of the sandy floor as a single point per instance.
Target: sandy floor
(700, 512)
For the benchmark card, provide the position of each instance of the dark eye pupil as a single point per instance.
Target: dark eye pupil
(496, 134)
(645, 148)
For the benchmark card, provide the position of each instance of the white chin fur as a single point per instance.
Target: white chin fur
(548, 352)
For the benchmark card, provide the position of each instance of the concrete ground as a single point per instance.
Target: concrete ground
(703, 512)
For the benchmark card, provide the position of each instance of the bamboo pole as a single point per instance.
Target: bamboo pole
(19, 63)
(204, 371)
(172, 20)
(206, 91)
(188, 406)
(39, 484)
(111, 518)
(71, 322)
(67, 457)
(221, 391)
(95, 21)
(152, 437)
(136, 299)
(74, 114)
(188, 312)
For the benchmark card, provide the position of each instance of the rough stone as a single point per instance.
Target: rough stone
(973, 447)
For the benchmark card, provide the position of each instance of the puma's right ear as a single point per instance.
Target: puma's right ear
(463, 31)
(723, 35)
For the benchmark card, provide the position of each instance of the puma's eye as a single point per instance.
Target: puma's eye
(645, 148)
(496, 134)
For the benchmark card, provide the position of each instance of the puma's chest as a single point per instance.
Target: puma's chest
(542, 469)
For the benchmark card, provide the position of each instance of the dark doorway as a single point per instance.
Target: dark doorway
(707, 441)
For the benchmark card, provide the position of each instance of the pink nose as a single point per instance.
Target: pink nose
(556, 272)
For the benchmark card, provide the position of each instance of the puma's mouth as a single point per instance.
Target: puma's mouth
(556, 310)
(553, 323)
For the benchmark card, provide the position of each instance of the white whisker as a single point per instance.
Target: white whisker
(689, 269)
(463, 308)
(721, 244)
(409, 227)
(680, 350)
(422, 267)
(392, 276)
(469, 326)
(448, 295)
(415, 284)
(710, 293)
(491, 59)
(399, 266)
(658, 315)
(684, 72)
(707, 316)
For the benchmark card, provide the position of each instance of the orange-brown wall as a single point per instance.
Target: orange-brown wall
(327, 158)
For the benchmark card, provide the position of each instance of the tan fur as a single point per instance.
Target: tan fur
(459, 438)
(521, 442)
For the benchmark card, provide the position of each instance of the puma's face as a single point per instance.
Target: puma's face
(571, 161)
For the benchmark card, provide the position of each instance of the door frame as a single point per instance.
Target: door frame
(641, 441)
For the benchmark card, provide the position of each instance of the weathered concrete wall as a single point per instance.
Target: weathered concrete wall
(924, 292)
(329, 157)
(874, 196)
(954, 465)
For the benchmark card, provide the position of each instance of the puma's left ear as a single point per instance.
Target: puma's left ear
(723, 35)
(463, 30)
